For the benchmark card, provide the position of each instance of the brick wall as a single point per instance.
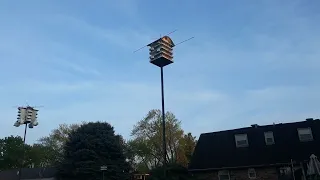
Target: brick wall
(268, 173)
(213, 175)
(261, 174)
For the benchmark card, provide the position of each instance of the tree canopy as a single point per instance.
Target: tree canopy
(54, 143)
(88, 148)
(147, 141)
(79, 150)
(13, 152)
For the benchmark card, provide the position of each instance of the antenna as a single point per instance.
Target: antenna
(184, 41)
(157, 39)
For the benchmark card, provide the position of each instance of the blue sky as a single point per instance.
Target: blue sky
(251, 62)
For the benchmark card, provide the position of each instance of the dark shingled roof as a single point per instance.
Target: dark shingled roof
(218, 150)
(28, 173)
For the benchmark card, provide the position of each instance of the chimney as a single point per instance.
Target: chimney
(309, 119)
(254, 125)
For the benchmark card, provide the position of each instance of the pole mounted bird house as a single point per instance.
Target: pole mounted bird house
(161, 55)
(161, 51)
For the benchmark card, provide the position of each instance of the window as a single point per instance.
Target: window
(305, 134)
(268, 137)
(241, 140)
(224, 175)
(252, 173)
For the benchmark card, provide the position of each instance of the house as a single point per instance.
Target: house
(278, 151)
(29, 174)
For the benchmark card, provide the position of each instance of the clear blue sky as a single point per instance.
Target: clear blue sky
(251, 62)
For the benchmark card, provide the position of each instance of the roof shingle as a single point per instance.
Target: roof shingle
(218, 150)
(28, 173)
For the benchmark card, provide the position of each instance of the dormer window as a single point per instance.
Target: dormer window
(241, 140)
(268, 137)
(305, 134)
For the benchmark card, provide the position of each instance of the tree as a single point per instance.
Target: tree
(40, 156)
(129, 154)
(53, 144)
(147, 141)
(11, 152)
(187, 145)
(88, 148)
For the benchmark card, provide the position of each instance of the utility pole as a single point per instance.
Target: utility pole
(26, 116)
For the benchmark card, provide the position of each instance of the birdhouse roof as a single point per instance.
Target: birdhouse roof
(164, 38)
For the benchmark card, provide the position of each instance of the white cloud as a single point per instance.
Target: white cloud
(77, 67)
(125, 38)
(261, 106)
(214, 83)
(124, 103)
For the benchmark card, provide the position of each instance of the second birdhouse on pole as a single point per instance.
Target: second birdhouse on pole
(161, 51)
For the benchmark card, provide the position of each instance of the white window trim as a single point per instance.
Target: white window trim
(223, 172)
(305, 129)
(265, 137)
(235, 138)
(252, 170)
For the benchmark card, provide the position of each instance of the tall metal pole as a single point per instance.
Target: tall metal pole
(25, 134)
(163, 128)
(23, 153)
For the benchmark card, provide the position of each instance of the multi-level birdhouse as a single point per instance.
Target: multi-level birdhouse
(27, 115)
(161, 51)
